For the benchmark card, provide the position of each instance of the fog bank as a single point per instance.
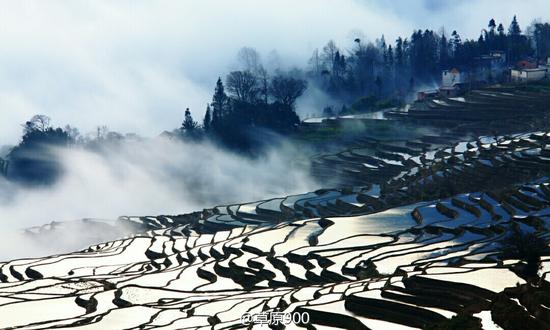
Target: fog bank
(151, 177)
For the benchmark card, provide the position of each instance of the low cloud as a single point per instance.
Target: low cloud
(151, 177)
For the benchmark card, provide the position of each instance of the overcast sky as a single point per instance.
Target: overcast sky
(136, 65)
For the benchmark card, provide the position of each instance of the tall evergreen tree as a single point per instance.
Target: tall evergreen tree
(518, 44)
(424, 54)
(482, 44)
(500, 29)
(491, 35)
(384, 49)
(390, 72)
(219, 105)
(514, 29)
(399, 53)
(542, 40)
(207, 121)
(501, 38)
(390, 56)
(188, 124)
(456, 41)
(492, 25)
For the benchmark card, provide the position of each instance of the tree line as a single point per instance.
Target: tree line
(35, 161)
(237, 118)
(248, 105)
(383, 69)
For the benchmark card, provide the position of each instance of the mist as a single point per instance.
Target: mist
(145, 177)
(159, 176)
(136, 65)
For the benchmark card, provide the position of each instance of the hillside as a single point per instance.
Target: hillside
(431, 232)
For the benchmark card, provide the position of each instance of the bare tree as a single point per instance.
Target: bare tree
(315, 62)
(37, 123)
(250, 60)
(329, 52)
(242, 85)
(287, 89)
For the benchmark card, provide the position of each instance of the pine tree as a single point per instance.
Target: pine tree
(492, 25)
(517, 44)
(399, 53)
(501, 38)
(542, 40)
(514, 29)
(219, 105)
(490, 37)
(482, 44)
(456, 44)
(500, 29)
(390, 56)
(384, 49)
(456, 39)
(207, 122)
(188, 124)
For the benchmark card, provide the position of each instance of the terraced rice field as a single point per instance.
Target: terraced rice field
(426, 234)
(410, 265)
(486, 104)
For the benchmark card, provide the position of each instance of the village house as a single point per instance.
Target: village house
(487, 68)
(526, 71)
(526, 64)
(526, 75)
(455, 82)
(451, 77)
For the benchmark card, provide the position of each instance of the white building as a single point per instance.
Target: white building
(451, 77)
(525, 75)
